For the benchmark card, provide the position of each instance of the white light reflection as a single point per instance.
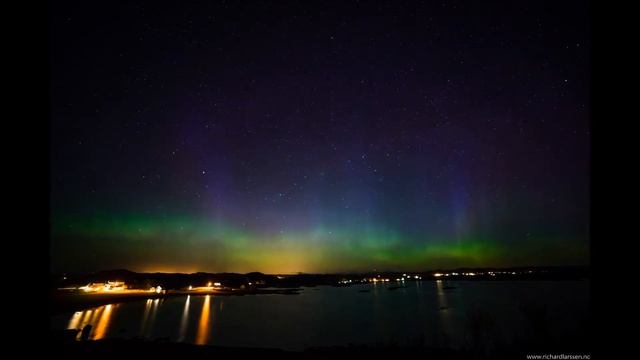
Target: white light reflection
(185, 319)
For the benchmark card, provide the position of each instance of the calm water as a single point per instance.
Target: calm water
(423, 313)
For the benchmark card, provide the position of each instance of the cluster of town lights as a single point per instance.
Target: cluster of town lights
(381, 280)
(109, 286)
(491, 273)
(119, 286)
(437, 275)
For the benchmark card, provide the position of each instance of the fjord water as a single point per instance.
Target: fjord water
(429, 313)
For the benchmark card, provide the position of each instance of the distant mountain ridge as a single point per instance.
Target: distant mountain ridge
(181, 280)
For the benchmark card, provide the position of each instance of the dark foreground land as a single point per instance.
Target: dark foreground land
(64, 346)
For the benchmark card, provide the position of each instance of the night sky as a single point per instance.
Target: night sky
(307, 137)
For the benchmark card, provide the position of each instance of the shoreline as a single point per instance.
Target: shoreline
(63, 301)
(69, 301)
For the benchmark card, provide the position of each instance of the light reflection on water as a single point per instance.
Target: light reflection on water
(103, 323)
(98, 318)
(325, 316)
(145, 315)
(203, 325)
(150, 321)
(185, 319)
(445, 319)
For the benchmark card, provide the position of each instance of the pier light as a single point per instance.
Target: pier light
(209, 284)
(190, 287)
(158, 289)
(436, 275)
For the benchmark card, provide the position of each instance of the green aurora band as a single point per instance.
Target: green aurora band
(185, 244)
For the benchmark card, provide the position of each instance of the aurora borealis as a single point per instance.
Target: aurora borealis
(339, 137)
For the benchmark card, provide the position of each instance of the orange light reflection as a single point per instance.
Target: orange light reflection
(203, 326)
(103, 322)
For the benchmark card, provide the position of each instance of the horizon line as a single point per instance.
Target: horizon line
(329, 273)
